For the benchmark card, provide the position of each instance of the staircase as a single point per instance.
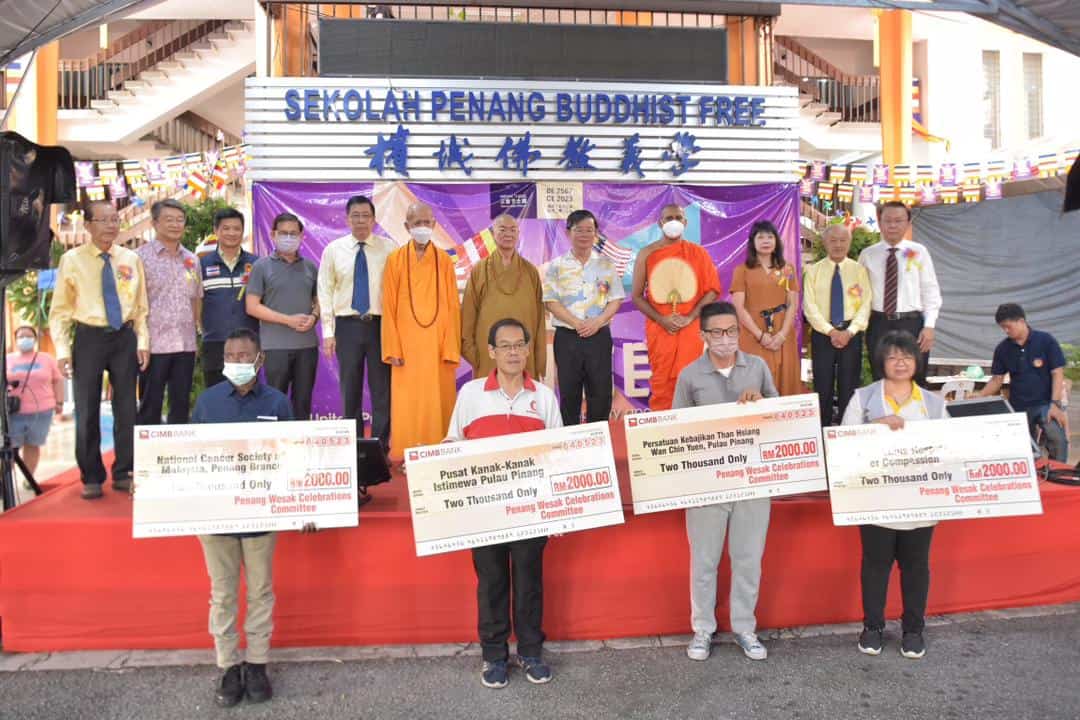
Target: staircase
(108, 103)
(189, 133)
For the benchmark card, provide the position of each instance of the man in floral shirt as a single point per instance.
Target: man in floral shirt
(175, 291)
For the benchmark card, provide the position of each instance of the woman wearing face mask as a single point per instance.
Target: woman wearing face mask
(765, 291)
(35, 381)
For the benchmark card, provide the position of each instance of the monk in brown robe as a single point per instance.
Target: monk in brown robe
(421, 335)
(503, 285)
(673, 279)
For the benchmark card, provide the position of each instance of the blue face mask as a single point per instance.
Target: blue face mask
(239, 374)
(25, 344)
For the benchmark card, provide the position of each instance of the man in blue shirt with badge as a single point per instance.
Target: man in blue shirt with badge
(1036, 367)
(225, 272)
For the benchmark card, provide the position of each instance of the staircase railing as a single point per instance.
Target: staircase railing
(92, 78)
(189, 132)
(854, 97)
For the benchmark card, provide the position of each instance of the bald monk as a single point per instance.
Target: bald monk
(421, 335)
(673, 280)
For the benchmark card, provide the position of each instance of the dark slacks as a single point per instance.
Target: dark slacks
(95, 351)
(213, 362)
(174, 371)
(584, 364)
(879, 326)
(910, 549)
(359, 343)
(836, 373)
(293, 372)
(521, 564)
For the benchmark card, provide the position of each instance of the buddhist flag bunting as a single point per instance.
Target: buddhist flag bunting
(881, 174)
(837, 173)
(858, 174)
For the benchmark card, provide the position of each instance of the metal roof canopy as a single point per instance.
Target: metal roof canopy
(29, 24)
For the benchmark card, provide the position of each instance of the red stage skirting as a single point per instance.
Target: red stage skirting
(72, 578)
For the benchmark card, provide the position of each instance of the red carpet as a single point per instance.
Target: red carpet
(72, 578)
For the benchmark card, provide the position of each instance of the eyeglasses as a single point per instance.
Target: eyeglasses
(106, 221)
(515, 347)
(718, 333)
(906, 359)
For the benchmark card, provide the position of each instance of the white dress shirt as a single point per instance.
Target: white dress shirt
(336, 277)
(917, 286)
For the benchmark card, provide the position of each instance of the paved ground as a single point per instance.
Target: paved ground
(1009, 665)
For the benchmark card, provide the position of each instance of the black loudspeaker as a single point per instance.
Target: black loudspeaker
(32, 178)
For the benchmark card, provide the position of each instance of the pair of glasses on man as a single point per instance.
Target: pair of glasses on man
(511, 347)
(718, 333)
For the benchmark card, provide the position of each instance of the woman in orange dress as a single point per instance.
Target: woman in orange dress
(765, 292)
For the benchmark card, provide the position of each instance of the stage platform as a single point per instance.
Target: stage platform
(72, 577)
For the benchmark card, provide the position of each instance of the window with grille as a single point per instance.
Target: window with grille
(992, 97)
(1033, 94)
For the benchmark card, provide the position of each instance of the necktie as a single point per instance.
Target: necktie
(891, 282)
(361, 300)
(113, 313)
(836, 299)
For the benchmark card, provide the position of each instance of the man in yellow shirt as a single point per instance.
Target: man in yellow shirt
(98, 323)
(836, 302)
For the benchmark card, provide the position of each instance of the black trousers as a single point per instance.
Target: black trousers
(359, 342)
(879, 326)
(213, 362)
(293, 372)
(836, 373)
(174, 371)
(910, 549)
(584, 364)
(95, 351)
(497, 566)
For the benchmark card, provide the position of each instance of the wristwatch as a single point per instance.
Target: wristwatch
(1060, 404)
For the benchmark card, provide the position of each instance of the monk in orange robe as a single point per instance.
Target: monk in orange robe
(673, 280)
(421, 336)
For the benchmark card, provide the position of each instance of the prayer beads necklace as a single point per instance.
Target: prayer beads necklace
(408, 280)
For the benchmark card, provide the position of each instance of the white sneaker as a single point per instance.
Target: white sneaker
(700, 647)
(751, 646)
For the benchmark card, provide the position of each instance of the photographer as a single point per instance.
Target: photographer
(35, 392)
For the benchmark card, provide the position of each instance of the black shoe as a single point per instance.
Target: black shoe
(870, 641)
(362, 497)
(230, 689)
(91, 491)
(258, 684)
(913, 646)
(122, 484)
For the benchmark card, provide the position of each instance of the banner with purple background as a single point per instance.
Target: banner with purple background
(719, 218)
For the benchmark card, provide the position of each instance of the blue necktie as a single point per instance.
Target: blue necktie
(361, 300)
(113, 313)
(836, 299)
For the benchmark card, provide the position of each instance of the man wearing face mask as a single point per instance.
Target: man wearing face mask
(673, 280)
(421, 335)
(242, 399)
(281, 294)
(725, 374)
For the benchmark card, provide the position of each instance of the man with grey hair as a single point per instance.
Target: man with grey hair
(836, 302)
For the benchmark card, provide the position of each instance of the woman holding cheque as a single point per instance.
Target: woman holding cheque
(892, 401)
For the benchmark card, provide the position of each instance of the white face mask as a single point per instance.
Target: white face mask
(239, 373)
(421, 234)
(673, 229)
(25, 344)
(287, 244)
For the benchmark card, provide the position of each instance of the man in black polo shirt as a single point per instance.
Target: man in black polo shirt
(1036, 368)
(225, 272)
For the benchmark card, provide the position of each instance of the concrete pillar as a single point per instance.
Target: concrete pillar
(894, 29)
(48, 62)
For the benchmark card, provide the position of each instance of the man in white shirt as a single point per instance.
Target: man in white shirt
(904, 291)
(352, 315)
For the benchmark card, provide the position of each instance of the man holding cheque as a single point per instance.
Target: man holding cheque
(505, 402)
(725, 374)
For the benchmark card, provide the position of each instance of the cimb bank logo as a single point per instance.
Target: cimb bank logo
(414, 455)
(145, 434)
(649, 419)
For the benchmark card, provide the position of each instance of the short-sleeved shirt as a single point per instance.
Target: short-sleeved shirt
(288, 288)
(701, 383)
(584, 289)
(483, 409)
(1029, 367)
(172, 283)
(224, 299)
(35, 373)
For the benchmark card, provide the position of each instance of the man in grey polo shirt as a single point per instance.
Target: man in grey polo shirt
(725, 374)
(282, 294)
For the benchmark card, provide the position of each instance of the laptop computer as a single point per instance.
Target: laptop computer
(997, 405)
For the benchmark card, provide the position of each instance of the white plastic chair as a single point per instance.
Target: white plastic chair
(959, 389)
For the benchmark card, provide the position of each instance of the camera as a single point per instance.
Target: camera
(14, 402)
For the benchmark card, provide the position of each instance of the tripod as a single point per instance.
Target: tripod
(9, 454)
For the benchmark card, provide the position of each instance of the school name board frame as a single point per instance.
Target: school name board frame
(460, 130)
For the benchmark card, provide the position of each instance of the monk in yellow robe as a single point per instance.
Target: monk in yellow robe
(421, 336)
(673, 280)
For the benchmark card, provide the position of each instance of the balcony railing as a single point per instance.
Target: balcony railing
(854, 97)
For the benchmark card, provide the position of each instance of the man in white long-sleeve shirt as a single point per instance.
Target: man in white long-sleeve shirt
(905, 294)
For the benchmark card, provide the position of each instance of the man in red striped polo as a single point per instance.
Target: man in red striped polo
(505, 402)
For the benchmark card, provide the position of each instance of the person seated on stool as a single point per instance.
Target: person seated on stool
(242, 398)
(892, 401)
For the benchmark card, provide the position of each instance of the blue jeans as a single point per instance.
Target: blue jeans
(1053, 435)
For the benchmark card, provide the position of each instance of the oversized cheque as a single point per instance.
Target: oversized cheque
(511, 487)
(932, 470)
(726, 452)
(244, 477)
